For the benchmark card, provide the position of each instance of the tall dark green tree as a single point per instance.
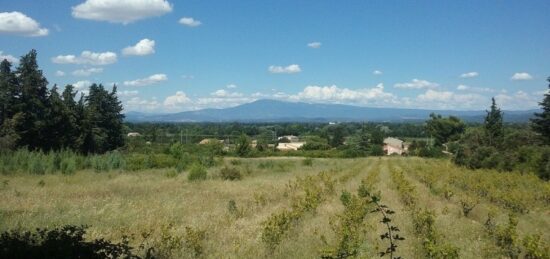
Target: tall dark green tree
(60, 127)
(493, 125)
(103, 113)
(34, 102)
(9, 91)
(541, 121)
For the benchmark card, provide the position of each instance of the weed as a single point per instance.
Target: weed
(468, 204)
(41, 183)
(197, 173)
(194, 239)
(230, 173)
(307, 161)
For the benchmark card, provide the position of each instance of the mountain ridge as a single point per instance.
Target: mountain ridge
(267, 110)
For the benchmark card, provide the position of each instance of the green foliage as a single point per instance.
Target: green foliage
(307, 161)
(197, 173)
(230, 173)
(493, 125)
(541, 121)
(535, 247)
(444, 129)
(194, 241)
(64, 242)
(315, 143)
(243, 146)
(468, 204)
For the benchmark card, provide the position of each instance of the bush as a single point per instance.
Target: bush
(197, 173)
(307, 162)
(63, 242)
(230, 173)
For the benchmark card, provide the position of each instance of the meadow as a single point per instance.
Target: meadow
(293, 208)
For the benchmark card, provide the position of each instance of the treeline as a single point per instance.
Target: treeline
(493, 144)
(41, 119)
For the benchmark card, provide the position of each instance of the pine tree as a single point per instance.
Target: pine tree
(9, 92)
(60, 126)
(541, 122)
(493, 125)
(73, 131)
(34, 102)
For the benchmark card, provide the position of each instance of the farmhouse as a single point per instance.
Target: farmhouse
(394, 146)
(290, 138)
(210, 140)
(290, 146)
(134, 134)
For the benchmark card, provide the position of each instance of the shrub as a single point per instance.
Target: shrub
(535, 247)
(307, 162)
(197, 173)
(63, 242)
(68, 166)
(194, 239)
(235, 162)
(468, 204)
(230, 173)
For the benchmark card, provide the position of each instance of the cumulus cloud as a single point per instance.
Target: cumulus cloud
(417, 84)
(82, 86)
(8, 57)
(335, 94)
(314, 45)
(290, 69)
(519, 100)
(521, 76)
(153, 79)
(127, 93)
(120, 11)
(17, 23)
(474, 89)
(449, 100)
(137, 103)
(142, 48)
(469, 75)
(376, 72)
(87, 71)
(87, 57)
(177, 100)
(59, 73)
(225, 93)
(190, 22)
(231, 86)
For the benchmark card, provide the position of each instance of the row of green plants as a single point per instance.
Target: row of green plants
(433, 241)
(309, 192)
(513, 191)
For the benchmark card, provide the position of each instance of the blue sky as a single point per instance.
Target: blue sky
(169, 56)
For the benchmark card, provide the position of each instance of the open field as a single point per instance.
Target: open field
(292, 208)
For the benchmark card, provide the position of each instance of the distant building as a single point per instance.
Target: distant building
(394, 146)
(210, 140)
(290, 146)
(290, 138)
(134, 134)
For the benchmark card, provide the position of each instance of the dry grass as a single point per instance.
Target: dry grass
(153, 208)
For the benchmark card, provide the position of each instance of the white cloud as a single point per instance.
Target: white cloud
(314, 45)
(82, 86)
(87, 71)
(190, 22)
(120, 11)
(16, 23)
(127, 93)
(334, 94)
(224, 93)
(417, 84)
(521, 76)
(290, 69)
(519, 100)
(8, 57)
(462, 87)
(136, 103)
(469, 75)
(448, 100)
(376, 72)
(87, 57)
(142, 48)
(475, 89)
(59, 73)
(231, 86)
(154, 79)
(177, 100)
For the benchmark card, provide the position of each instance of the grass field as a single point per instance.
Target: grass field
(290, 208)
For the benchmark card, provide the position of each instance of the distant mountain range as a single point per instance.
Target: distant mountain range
(279, 111)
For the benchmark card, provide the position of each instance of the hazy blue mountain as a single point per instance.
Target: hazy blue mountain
(279, 111)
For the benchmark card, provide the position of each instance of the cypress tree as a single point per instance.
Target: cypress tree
(9, 91)
(541, 121)
(34, 102)
(493, 125)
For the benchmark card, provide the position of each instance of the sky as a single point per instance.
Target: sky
(172, 56)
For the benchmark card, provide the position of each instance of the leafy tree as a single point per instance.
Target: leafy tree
(337, 138)
(243, 145)
(541, 122)
(493, 125)
(444, 129)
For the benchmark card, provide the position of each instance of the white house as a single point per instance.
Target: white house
(134, 134)
(290, 138)
(290, 146)
(394, 146)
